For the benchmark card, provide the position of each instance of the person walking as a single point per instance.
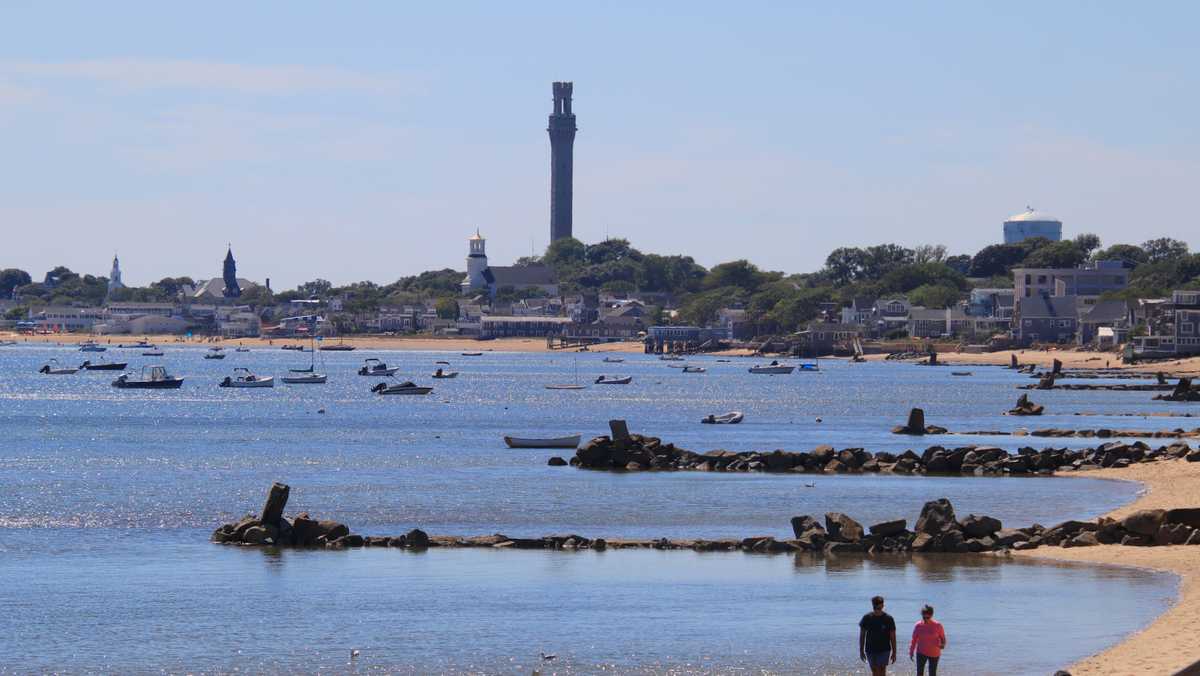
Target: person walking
(928, 641)
(877, 638)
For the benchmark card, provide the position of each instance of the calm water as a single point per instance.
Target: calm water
(107, 497)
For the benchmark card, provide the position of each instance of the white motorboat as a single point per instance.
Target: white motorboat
(671, 357)
(694, 369)
(774, 368)
(91, 346)
(406, 387)
(553, 442)
(445, 374)
(608, 380)
(374, 367)
(242, 377)
(731, 418)
(51, 368)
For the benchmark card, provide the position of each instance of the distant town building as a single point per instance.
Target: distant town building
(232, 289)
(114, 277)
(1030, 223)
(1088, 281)
(1043, 318)
(562, 158)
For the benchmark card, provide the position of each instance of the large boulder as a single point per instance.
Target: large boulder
(1144, 522)
(889, 528)
(416, 539)
(980, 526)
(305, 530)
(842, 528)
(803, 524)
(1188, 516)
(937, 517)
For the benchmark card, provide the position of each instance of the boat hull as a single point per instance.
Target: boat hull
(115, 366)
(772, 370)
(169, 384)
(304, 380)
(406, 390)
(555, 442)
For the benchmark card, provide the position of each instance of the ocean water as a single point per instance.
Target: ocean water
(107, 498)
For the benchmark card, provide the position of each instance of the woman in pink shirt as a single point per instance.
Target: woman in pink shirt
(928, 640)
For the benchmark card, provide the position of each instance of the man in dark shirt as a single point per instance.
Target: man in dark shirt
(877, 638)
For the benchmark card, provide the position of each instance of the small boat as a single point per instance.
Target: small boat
(87, 365)
(339, 347)
(445, 374)
(809, 368)
(242, 349)
(614, 360)
(694, 369)
(443, 362)
(374, 367)
(152, 353)
(242, 377)
(91, 346)
(731, 418)
(670, 357)
(140, 344)
(575, 384)
(297, 348)
(774, 368)
(606, 380)
(472, 354)
(406, 387)
(724, 361)
(153, 378)
(7, 343)
(52, 368)
(960, 373)
(216, 348)
(214, 355)
(553, 442)
(306, 379)
(677, 366)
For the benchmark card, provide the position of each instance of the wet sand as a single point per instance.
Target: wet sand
(1069, 359)
(1169, 644)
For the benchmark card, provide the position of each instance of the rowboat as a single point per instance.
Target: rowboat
(960, 373)
(472, 354)
(605, 380)
(306, 379)
(554, 442)
(731, 418)
(87, 365)
(566, 387)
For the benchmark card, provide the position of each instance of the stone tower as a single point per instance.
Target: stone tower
(232, 290)
(562, 160)
(476, 264)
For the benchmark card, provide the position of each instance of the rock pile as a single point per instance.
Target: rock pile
(1183, 392)
(638, 453)
(1026, 407)
(916, 425)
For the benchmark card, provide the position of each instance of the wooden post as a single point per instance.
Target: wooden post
(277, 499)
(1057, 368)
(1013, 363)
(619, 429)
(916, 421)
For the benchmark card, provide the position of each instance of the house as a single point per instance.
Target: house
(132, 310)
(1110, 314)
(672, 338)
(521, 278)
(1088, 282)
(523, 327)
(735, 322)
(1187, 321)
(937, 323)
(991, 303)
(822, 338)
(238, 322)
(1045, 319)
(860, 311)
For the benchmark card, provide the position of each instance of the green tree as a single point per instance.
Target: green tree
(1130, 256)
(565, 251)
(1087, 242)
(1164, 249)
(740, 273)
(317, 288)
(11, 278)
(934, 296)
(447, 308)
(1064, 254)
(171, 286)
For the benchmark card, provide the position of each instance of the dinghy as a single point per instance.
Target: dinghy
(607, 380)
(553, 442)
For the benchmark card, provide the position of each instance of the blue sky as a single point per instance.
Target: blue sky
(368, 140)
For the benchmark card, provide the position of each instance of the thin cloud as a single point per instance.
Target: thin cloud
(138, 74)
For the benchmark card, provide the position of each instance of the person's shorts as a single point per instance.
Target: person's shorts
(876, 660)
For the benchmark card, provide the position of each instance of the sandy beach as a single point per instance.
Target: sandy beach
(1169, 644)
(415, 343)
(1069, 358)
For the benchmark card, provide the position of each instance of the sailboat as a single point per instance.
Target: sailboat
(574, 386)
(308, 376)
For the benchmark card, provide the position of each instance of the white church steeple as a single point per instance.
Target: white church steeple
(476, 263)
(114, 277)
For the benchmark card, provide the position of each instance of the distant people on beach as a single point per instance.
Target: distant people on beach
(877, 638)
(928, 641)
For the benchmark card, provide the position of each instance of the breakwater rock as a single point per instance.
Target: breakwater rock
(936, 530)
(1183, 391)
(641, 453)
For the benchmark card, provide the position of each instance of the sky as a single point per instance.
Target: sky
(367, 141)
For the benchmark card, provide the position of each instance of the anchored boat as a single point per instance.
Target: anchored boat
(374, 367)
(406, 387)
(153, 378)
(87, 365)
(242, 377)
(552, 442)
(51, 368)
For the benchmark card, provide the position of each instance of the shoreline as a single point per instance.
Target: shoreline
(1165, 646)
(1071, 360)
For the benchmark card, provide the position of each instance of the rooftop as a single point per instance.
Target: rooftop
(1031, 215)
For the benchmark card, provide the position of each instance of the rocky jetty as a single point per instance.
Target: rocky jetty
(641, 453)
(1026, 407)
(936, 530)
(1047, 383)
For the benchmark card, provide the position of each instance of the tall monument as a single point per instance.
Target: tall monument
(114, 277)
(562, 144)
